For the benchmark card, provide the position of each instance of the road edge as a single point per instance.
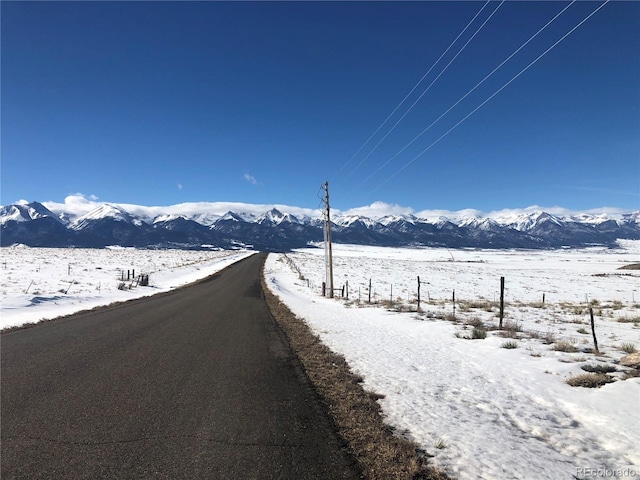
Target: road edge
(356, 413)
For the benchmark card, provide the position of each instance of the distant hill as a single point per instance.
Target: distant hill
(34, 224)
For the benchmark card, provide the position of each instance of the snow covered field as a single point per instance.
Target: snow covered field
(481, 409)
(44, 283)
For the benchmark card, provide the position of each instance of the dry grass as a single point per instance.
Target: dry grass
(510, 329)
(476, 334)
(590, 380)
(538, 305)
(450, 317)
(628, 347)
(467, 305)
(547, 337)
(563, 346)
(379, 452)
(626, 319)
(633, 373)
(631, 266)
(476, 322)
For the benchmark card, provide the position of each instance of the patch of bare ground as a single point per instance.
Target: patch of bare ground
(631, 266)
(379, 452)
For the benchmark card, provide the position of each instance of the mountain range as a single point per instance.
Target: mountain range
(107, 224)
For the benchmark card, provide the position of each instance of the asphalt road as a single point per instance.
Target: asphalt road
(195, 383)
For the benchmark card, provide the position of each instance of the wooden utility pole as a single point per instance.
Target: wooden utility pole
(328, 230)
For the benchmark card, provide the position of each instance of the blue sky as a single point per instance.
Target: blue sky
(158, 103)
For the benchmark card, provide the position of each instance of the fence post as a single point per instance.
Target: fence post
(501, 300)
(347, 288)
(593, 330)
(369, 290)
(418, 293)
(324, 289)
(454, 303)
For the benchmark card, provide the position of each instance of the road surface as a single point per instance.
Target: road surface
(194, 383)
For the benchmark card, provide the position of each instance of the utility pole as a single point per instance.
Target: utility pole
(327, 246)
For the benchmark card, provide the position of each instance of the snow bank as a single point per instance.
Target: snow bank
(499, 413)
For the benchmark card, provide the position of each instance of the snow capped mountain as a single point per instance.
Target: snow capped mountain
(270, 227)
(276, 217)
(206, 219)
(632, 217)
(442, 223)
(355, 220)
(592, 219)
(486, 224)
(32, 222)
(530, 221)
(24, 212)
(105, 211)
(167, 218)
(231, 216)
(389, 220)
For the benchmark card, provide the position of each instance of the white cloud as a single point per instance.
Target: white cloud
(379, 210)
(79, 204)
(555, 210)
(250, 178)
(432, 214)
(513, 212)
(75, 204)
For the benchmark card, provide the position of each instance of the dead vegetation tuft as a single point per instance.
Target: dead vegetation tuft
(631, 266)
(590, 380)
(563, 346)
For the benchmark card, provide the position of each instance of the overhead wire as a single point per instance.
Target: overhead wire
(414, 88)
(468, 93)
(491, 97)
(427, 89)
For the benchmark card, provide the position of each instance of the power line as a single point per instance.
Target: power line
(413, 89)
(468, 93)
(493, 95)
(427, 89)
